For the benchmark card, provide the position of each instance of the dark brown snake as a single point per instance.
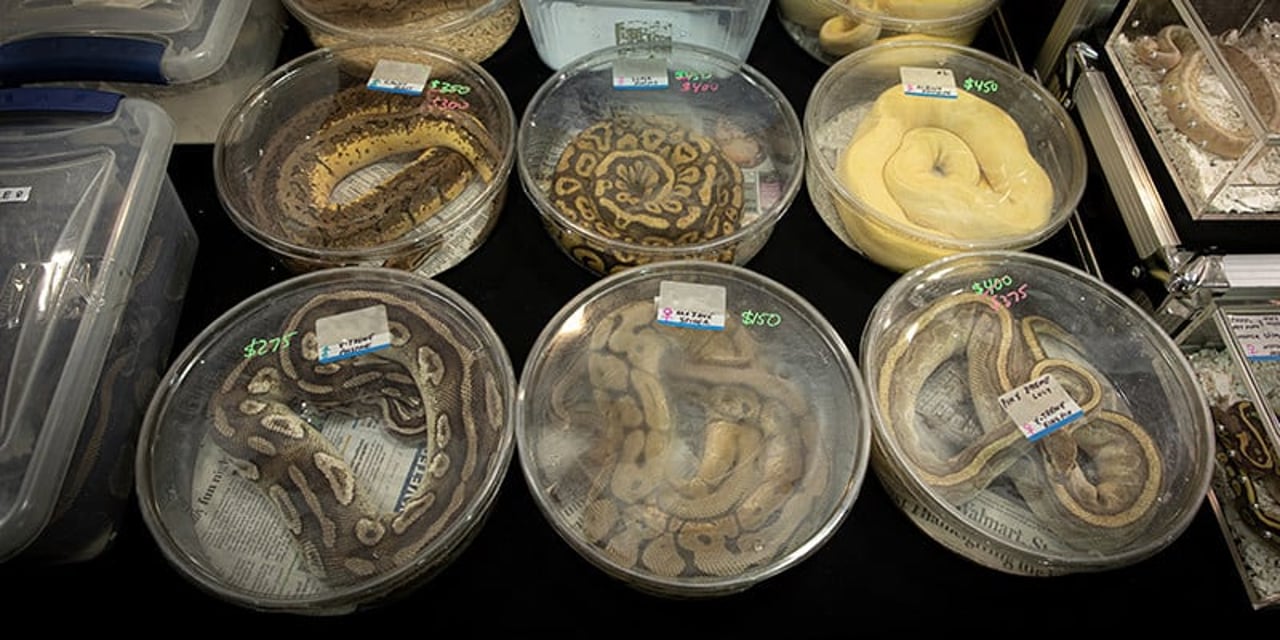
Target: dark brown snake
(1245, 454)
(431, 388)
(648, 181)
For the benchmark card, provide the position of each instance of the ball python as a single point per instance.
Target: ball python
(1094, 482)
(1174, 51)
(840, 33)
(431, 388)
(959, 169)
(648, 181)
(324, 143)
(703, 461)
(1245, 455)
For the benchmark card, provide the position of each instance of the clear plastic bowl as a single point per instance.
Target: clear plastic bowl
(473, 29)
(644, 154)
(692, 461)
(417, 180)
(250, 437)
(906, 179)
(962, 354)
(831, 29)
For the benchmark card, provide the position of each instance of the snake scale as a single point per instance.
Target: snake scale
(1094, 482)
(644, 180)
(431, 388)
(317, 148)
(1246, 456)
(1174, 51)
(702, 460)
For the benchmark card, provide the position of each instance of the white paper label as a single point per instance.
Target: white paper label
(640, 73)
(1258, 335)
(354, 333)
(394, 76)
(1040, 407)
(693, 306)
(928, 83)
(15, 194)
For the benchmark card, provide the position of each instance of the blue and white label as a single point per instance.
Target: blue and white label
(690, 306)
(1258, 335)
(1040, 407)
(929, 83)
(15, 194)
(351, 334)
(393, 76)
(640, 74)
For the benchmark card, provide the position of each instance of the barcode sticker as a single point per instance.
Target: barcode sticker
(15, 194)
(1040, 407)
(351, 334)
(690, 305)
(393, 76)
(1258, 335)
(928, 83)
(646, 32)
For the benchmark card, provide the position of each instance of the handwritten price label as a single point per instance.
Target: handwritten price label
(760, 319)
(1258, 335)
(994, 290)
(699, 87)
(262, 346)
(981, 86)
(440, 101)
(449, 87)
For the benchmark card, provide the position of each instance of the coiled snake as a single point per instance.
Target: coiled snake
(704, 461)
(1246, 456)
(331, 139)
(644, 180)
(431, 387)
(1094, 482)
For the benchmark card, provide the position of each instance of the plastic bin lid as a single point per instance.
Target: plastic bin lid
(153, 41)
(80, 174)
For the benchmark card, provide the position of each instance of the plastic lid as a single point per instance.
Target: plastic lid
(328, 441)
(1038, 412)
(158, 41)
(77, 193)
(692, 427)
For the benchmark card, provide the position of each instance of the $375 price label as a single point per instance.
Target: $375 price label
(263, 346)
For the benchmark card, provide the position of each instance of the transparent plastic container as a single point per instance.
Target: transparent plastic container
(564, 30)
(325, 170)
(373, 400)
(1031, 418)
(473, 29)
(95, 253)
(921, 150)
(831, 29)
(692, 428)
(194, 58)
(1220, 140)
(708, 152)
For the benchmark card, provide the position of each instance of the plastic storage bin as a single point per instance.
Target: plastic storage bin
(831, 29)
(640, 154)
(374, 400)
(564, 30)
(1234, 348)
(919, 150)
(195, 58)
(473, 29)
(1031, 418)
(1202, 77)
(692, 428)
(95, 252)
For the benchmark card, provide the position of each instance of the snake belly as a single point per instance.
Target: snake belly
(330, 140)
(430, 388)
(1094, 482)
(647, 181)
(704, 463)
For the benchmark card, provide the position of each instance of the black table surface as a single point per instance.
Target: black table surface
(878, 571)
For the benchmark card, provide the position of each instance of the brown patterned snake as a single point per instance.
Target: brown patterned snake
(705, 463)
(441, 394)
(1175, 51)
(644, 180)
(331, 139)
(1250, 465)
(1094, 481)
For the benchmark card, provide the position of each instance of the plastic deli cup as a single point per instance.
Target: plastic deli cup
(473, 29)
(832, 29)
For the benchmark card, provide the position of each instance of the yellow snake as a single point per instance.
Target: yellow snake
(702, 462)
(922, 167)
(841, 33)
(1094, 482)
(432, 387)
(645, 181)
(329, 140)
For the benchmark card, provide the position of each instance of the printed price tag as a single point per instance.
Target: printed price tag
(1040, 407)
(393, 76)
(693, 306)
(354, 333)
(1258, 335)
(640, 73)
(15, 194)
(928, 83)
